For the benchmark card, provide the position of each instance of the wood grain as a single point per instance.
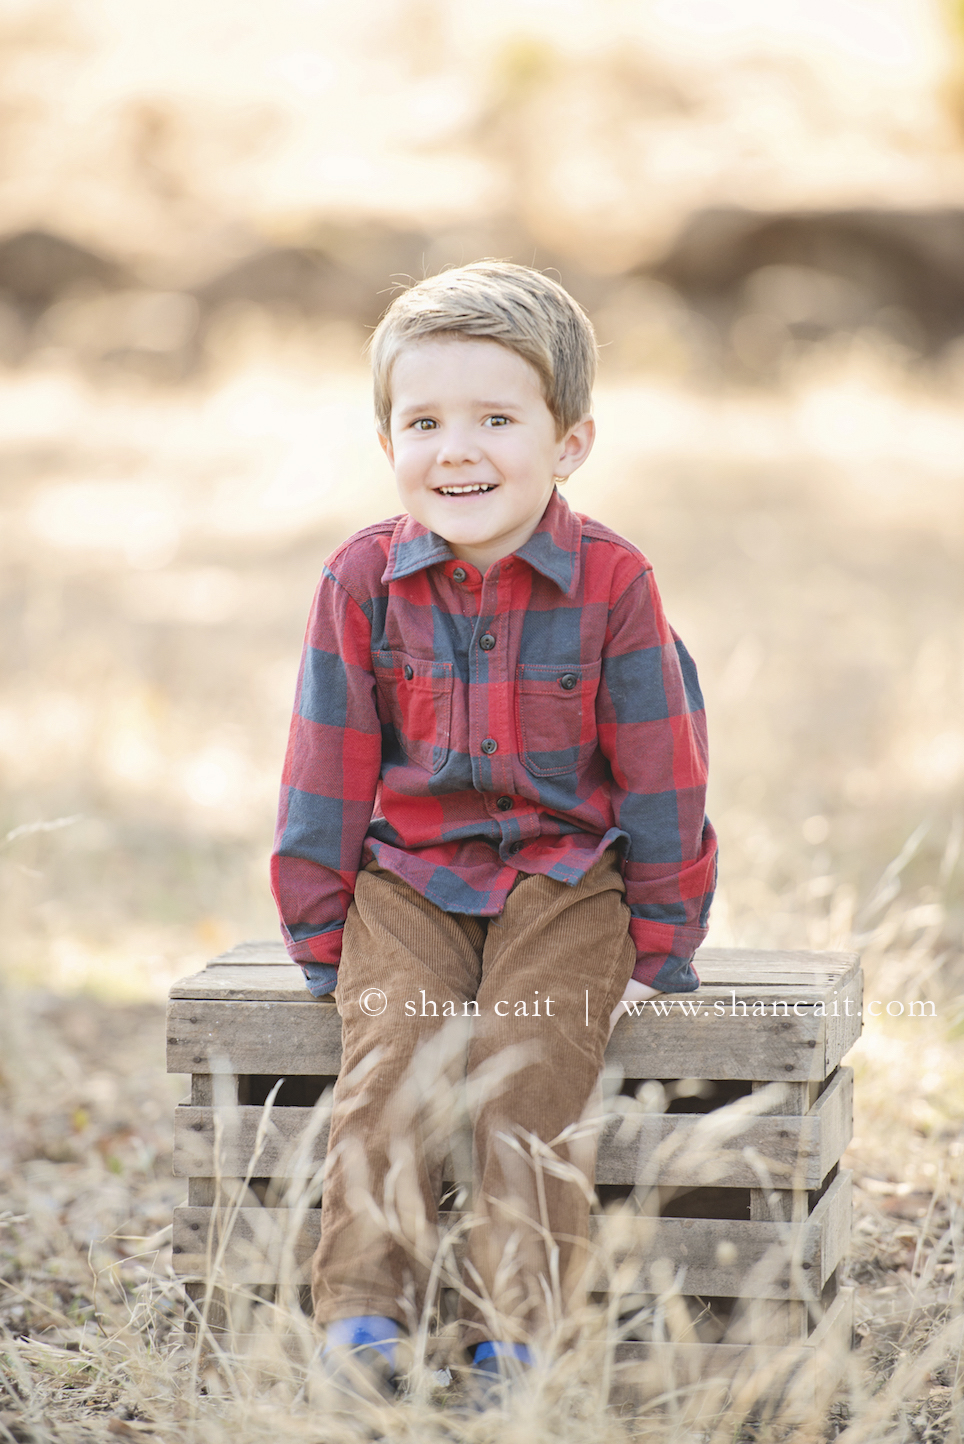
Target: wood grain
(251, 968)
(715, 965)
(730, 1147)
(251, 982)
(763, 1260)
(252, 1037)
(720, 1042)
(803, 1375)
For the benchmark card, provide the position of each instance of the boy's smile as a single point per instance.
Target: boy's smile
(474, 446)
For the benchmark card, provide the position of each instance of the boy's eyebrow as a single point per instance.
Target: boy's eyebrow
(419, 408)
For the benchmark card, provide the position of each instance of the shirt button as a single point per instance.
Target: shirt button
(515, 847)
(489, 745)
(504, 804)
(459, 574)
(487, 641)
(409, 674)
(568, 681)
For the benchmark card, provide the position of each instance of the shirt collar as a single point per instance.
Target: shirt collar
(553, 549)
(413, 547)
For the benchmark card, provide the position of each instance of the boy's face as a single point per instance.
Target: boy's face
(474, 445)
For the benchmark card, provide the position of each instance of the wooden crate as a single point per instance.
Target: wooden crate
(737, 1215)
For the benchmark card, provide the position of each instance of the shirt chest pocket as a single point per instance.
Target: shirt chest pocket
(415, 695)
(556, 709)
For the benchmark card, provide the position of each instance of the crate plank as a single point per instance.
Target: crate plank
(722, 1043)
(719, 966)
(679, 1150)
(289, 1037)
(736, 967)
(263, 969)
(263, 1037)
(803, 1374)
(757, 1253)
(835, 1109)
(831, 1325)
(279, 982)
(253, 981)
(261, 1248)
(730, 1146)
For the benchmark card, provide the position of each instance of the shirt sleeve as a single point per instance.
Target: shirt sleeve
(329, 783)
(652, 729)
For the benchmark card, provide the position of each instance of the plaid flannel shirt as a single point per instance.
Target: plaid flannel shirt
(460, 729)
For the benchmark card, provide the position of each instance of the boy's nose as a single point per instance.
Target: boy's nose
(458, 451)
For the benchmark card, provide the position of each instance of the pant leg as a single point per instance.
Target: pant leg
(570, 948)
(393, 1099)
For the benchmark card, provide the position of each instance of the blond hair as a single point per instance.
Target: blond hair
(516, 306)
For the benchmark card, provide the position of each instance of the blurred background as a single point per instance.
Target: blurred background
(203, 210)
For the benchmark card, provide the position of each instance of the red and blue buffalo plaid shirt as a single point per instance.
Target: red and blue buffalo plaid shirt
(460, 729)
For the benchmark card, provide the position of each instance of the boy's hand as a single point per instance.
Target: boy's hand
(635, 992)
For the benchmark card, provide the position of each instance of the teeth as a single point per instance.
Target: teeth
(462, 490)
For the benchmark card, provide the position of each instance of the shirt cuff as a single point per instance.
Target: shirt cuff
(666, 975)
(320, 978)
(664, 955)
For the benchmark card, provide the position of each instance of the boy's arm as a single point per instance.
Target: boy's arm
(329, 782)
(652, 729)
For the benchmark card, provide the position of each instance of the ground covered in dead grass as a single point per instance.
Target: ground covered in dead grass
(92, 1341)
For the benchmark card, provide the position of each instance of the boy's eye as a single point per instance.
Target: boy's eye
(424, 423)
(497, 421)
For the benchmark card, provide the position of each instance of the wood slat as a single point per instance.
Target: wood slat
(757, 1255)
(802, 1375)
(281, 982)
(259, 1250)
(730, 1147)
(720, 965)
(253, 981)
(205, 1036)
(723, 1042)
(284, 983)
(630, 1355)
(733, 967)
(720, 1042)
(249, 971)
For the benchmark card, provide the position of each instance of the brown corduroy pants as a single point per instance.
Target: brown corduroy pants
(506, 1018)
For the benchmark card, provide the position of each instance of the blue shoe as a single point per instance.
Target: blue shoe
(497, 1375)
(358, 1362)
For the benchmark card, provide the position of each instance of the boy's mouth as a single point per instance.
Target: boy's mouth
(469, 487)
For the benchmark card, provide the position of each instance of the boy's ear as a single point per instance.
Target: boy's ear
(386, 445)
(575, 446)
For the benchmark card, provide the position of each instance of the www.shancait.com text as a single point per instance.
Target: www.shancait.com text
(375, 1001)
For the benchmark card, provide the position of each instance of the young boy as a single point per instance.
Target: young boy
(492, 807)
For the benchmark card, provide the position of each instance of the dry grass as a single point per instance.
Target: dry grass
(93, 1341)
